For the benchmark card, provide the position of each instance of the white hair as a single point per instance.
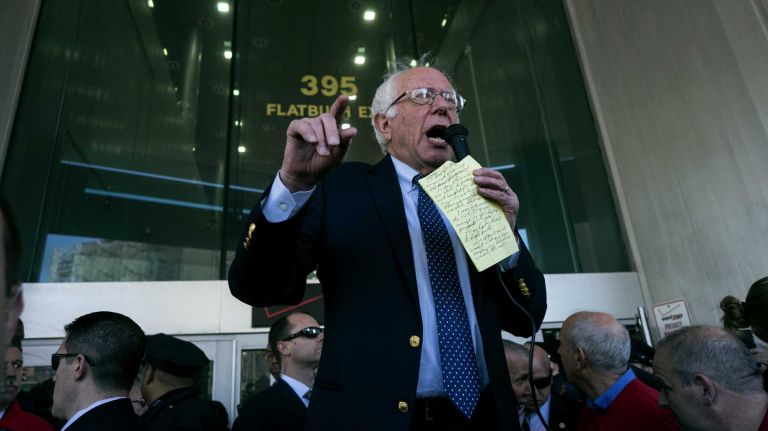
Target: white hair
(386, 92)
(606, 346)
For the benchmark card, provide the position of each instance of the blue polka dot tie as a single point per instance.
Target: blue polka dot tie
(457, 354)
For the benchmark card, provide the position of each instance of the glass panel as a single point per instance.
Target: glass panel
(528, 113)
(128, 158)
(134, 132)
(254, 373)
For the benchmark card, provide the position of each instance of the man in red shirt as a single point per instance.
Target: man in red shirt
(12, 418)
(710, 381)
(594, 348)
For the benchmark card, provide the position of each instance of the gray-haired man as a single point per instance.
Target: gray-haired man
(710, 381)
(594, 348)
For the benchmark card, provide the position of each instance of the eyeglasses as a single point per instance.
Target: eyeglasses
(537, 383)
(426, 96)
(309, 332)
(56, 359)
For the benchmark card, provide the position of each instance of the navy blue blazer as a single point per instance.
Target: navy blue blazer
(353, 231)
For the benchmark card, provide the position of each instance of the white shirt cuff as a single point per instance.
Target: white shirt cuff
(511, 262)
(281, 204)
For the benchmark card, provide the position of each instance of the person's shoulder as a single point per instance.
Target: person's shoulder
(258, 399)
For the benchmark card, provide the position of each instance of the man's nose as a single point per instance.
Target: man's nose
(441, 106)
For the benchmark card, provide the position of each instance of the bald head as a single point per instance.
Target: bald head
(517, 363)
(603, 339)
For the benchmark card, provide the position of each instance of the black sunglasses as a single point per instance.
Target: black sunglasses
(543, 382)
(309, 332)
(56, 359)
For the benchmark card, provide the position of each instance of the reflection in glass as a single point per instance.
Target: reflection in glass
(254, 373)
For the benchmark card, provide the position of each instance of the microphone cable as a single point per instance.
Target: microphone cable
(456, 136)
(530, 351)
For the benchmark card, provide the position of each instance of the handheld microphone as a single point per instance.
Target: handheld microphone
(456, 136)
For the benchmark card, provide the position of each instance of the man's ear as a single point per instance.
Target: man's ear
(149, 375)
(381, 122)
(284, 348)
(705, 388)
(81, 367)
(581, 358)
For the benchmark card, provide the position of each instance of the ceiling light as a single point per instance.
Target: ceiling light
(223, 7)
(227, 54)
(413, 63)
(445, 21)
(237, 123)
(165, 52)
(241, 149)
(235, 92)
(150, 3)
(359, 59)
(345, 126)
(353, 97)
(369, 15)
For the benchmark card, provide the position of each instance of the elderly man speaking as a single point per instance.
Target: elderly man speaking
(412, 337)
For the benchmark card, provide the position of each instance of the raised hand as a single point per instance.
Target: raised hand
(315, 146)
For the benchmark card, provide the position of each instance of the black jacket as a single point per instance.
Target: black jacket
(276, 408)
(182, 410)
(115, 415)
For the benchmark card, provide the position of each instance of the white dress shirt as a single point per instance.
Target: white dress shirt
(300, 388)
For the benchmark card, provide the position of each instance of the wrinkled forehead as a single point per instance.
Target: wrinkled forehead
(418, 77)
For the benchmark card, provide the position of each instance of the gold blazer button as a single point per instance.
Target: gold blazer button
(415, 341)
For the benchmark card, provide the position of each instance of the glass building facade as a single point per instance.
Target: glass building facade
(147, 129)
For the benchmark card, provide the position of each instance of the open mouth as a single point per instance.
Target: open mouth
(435, 134)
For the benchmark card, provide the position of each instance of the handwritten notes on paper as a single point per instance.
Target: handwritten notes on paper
(480, 223)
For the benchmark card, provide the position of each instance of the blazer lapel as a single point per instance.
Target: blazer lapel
(385, 189)
(294, 403)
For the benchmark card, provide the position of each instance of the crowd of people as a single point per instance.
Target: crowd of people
(412, 329)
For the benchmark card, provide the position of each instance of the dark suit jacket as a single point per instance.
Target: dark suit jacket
(182, 410)
(115, 415)
(276, 408)
(354, 232)
(564, 413)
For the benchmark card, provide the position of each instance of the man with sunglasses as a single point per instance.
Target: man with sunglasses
(401, 297)
(95, 367)
(559, 412)
(297, 342)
